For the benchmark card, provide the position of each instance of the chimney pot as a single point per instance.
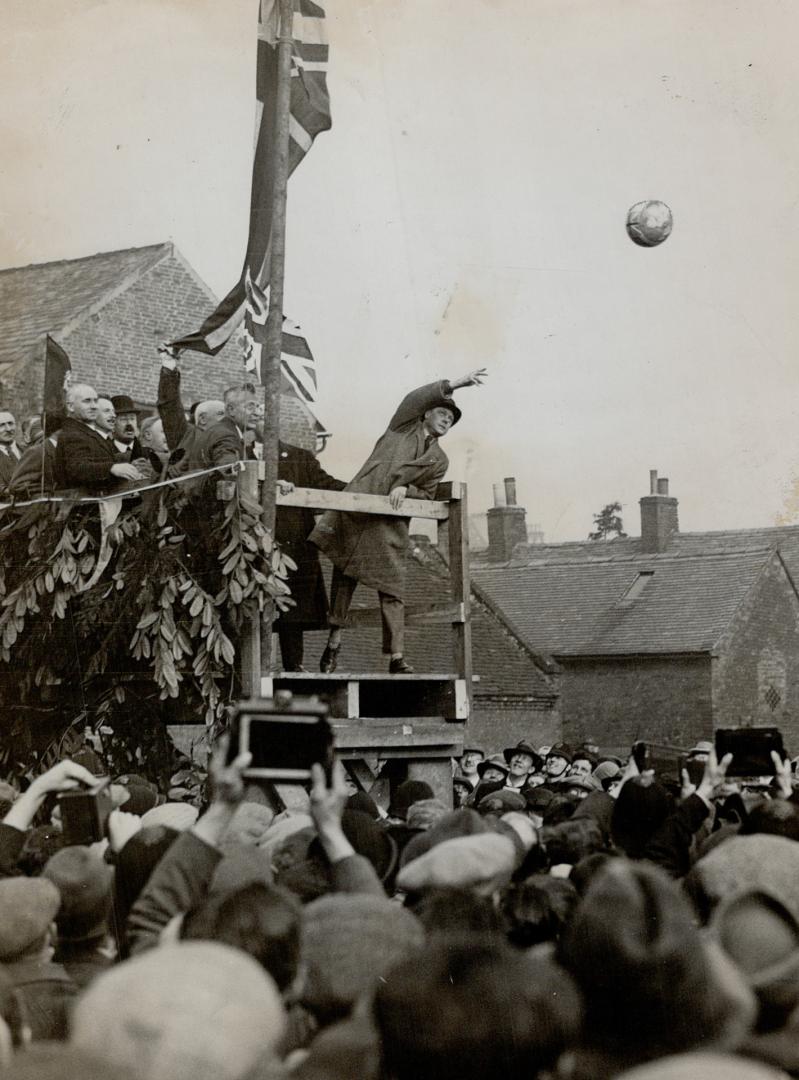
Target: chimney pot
(507, 525)
(659, 516)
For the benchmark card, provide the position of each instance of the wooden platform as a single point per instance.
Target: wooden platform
(385, 740)
(359, 696)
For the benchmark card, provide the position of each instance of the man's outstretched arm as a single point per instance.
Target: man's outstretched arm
(417, 402)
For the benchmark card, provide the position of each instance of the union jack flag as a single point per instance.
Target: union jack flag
(310, 115)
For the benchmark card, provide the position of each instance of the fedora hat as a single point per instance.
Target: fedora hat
(523, 748)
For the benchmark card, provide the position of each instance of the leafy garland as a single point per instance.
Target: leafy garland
(119, 625)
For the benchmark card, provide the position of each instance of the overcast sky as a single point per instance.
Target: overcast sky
(468, 209)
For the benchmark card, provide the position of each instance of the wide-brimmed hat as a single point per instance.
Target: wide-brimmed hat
(523, 748)
(496, 761)
(123, 404)
(561, 750)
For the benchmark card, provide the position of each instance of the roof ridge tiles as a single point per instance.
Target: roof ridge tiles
(85, 258)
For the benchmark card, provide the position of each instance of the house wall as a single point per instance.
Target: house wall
(22, 391)
(756, 675)
(495, 724)
(115, 350)
(616, 700)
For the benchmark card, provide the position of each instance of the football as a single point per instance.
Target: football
(649, 223)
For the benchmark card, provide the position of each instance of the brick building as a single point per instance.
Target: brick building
(665, 636)
(109, 312)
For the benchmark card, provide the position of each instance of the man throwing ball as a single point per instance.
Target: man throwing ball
(407, 462)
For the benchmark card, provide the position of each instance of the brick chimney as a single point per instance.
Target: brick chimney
(659, 519)
(507, 526)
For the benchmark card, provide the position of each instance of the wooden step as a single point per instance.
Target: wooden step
(351, 696)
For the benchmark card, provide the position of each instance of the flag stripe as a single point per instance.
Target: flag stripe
(310, 115)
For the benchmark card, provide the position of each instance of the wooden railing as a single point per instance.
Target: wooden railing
(449, 507)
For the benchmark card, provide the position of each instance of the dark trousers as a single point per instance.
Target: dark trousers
(290, 639)
(392, 611)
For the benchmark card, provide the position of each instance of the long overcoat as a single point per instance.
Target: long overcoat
(371, 548)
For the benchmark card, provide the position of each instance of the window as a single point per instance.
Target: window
(642, 579)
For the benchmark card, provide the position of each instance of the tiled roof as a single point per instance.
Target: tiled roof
(573, 606)
(782, 538)
(45, 297)
(506, 666)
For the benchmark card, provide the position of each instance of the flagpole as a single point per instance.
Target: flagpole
(270, 363)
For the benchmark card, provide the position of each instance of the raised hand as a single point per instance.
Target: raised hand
(473, 378)
(782, 773)
(714, 775)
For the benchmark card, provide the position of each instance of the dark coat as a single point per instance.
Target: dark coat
(220, 444)
(35, 471)
(292, 527)
(370, 548)
(132, 453)
(83, 458)
(180, 434)
(8, 463)
(47, 995)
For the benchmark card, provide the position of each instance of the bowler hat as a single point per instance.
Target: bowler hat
(523, 748)
(445, 402)
(123, 404)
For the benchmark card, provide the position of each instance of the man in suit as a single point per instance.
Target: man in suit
(35, 473)
(227, 441)
(105, 419)
(84, 458)
(180, 432)
(10, 453)
(126, 428)
(405, 462)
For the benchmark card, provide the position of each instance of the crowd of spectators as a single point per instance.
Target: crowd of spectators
(573, 917)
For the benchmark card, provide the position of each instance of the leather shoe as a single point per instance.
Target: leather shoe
(329, 661)
(397, 666)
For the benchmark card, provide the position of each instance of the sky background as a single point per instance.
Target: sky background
(468, 210)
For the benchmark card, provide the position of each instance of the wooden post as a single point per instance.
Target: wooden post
(270, 365)
(460, 585)
(250, 640)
